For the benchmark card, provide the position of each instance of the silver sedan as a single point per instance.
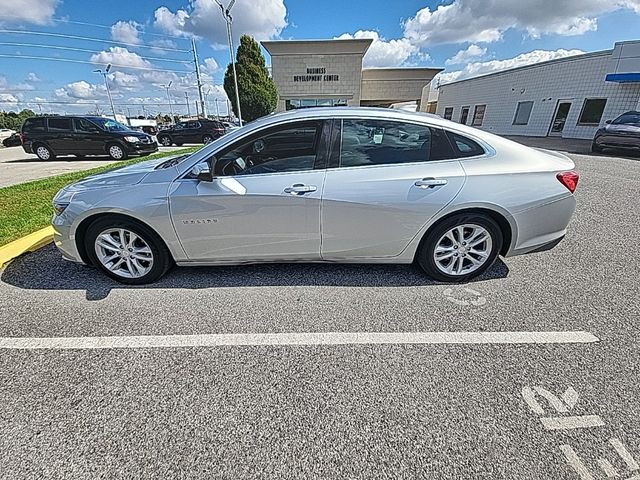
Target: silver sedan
(352, 185)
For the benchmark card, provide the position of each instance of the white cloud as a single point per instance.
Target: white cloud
(39, 12)
(463, 56)
(8, 98)
(210, 66)
(482, 21)
(203, 18)
(126, 32)
(491, 66)
(81, 91)
(32, 77)
(161, 44)
(120, 56)
(383, 53)
(124, 81)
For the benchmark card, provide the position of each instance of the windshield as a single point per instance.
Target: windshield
(631, 118)
(111, 125)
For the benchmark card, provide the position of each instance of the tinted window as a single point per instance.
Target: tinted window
(83, 125)
(286, 149)
(382, 142)
(59, 124)
(465, 147)
(631, 118)
(34, 125)
(592, 111)
(523, 112)
(478, 115)
(193, 125)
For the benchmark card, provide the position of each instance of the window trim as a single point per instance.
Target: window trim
(515, 115)
(475, 112)
(584, 104)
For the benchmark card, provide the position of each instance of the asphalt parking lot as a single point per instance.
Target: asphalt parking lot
(18, 167)
(341, 410)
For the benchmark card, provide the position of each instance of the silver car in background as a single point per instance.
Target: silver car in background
(353, 185)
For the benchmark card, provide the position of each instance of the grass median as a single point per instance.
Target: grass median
(26, 207)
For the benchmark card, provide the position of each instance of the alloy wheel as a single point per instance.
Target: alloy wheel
(123, 252)
(166, 141)
(207, 139)
(463, 249)
(43, 153)
(116, 152)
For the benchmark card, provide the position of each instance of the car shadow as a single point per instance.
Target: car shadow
(89, 158)
(46, 270)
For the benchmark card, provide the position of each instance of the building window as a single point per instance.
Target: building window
(523, 112)
(314, 102)
(464, 115)
(592, 110)
(448, 113)
(478, 115)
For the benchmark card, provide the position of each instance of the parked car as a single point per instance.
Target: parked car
(12, 141)
(353, 185)
(48, 137)
(191, 131)
(230, 127)
(623, 133)
(6, 132)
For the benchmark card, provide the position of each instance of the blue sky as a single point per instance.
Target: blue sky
(466, 37)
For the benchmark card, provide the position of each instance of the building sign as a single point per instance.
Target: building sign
(316, 74)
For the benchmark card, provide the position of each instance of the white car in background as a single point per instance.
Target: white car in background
(6, 133)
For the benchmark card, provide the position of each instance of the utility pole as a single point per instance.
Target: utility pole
(228, 19)
(169, 100)
(217, 110)
(106, 84)
(195, 60)
(186, 96)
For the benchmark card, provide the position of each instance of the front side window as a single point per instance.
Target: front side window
(592, 110)
(523, 112)
(111, 125)
(478, 115)
(630, 118)
(59, 124)
(83, 125)
(285, 149)
(383, 142)
(448, 113)
(193, 124)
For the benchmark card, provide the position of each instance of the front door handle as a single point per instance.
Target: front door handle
(430, 182)
(300, 189)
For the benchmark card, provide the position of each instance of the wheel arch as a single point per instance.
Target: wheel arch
(83, 226)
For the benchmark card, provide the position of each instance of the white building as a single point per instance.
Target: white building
(569, 97)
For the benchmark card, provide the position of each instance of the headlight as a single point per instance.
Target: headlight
(62, 200)
(60, 207)
(131, 139)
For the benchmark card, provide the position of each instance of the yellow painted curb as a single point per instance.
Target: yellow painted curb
(29, 243)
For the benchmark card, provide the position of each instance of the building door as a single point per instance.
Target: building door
(560, 118)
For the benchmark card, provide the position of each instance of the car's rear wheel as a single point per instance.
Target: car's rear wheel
(164, 140)
(207, 139)
(117, 152)
(460, 247)
(44, 153)
(127, 251)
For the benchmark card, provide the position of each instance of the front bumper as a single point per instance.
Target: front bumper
(141, 148)
(64, 241)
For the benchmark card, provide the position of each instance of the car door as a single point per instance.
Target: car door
(61, 136)
(386, 180)
(264, 201)
(89, 139)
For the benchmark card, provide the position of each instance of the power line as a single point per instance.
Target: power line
(68, 60)
(89, 103)
(74, 49)
(91, 39)
(62, 20)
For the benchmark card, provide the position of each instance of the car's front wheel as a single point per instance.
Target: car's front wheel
(117, 152)
(460, 247)
(207, 139)
(127, 251)
(165, 141)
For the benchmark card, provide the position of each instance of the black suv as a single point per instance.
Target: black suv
(192, 131)
(48, 137)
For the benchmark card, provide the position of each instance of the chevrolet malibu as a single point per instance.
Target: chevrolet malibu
(352, 185)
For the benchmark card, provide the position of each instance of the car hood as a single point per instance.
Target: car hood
(129, 175)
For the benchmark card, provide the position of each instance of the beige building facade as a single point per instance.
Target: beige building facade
(310, 73)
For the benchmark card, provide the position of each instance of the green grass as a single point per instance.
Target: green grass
(26, 207)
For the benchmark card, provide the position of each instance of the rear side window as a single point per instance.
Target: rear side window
(34, 125)
(383, 142)
(464, 147)
(60, 124)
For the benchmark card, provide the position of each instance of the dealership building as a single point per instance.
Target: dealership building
(570, 97)
(310, 73)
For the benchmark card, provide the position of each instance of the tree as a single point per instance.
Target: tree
(14, 120)
(258, 94)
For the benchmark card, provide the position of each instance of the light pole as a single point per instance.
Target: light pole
(227, 18)
(217, 110)
(167, 86)
(106, 84)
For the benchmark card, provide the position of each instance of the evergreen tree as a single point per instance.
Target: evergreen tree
(258, 94)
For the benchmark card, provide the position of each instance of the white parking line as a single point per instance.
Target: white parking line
(319, 338)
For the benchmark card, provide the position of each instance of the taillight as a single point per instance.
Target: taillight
(21, 135)
(569, 180)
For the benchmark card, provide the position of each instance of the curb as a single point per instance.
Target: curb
(28, 243)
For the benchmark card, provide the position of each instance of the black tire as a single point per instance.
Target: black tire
(43, 152)
(595, 148)
(112, 148)
(162, 259)
(164, 140)
(207, 139)
(425, 254)
(179, 144)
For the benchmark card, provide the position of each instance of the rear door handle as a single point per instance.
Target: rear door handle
(430, 182)
(300, 189)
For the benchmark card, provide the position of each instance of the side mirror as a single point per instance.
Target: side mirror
(204, 174)
(608, 121)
